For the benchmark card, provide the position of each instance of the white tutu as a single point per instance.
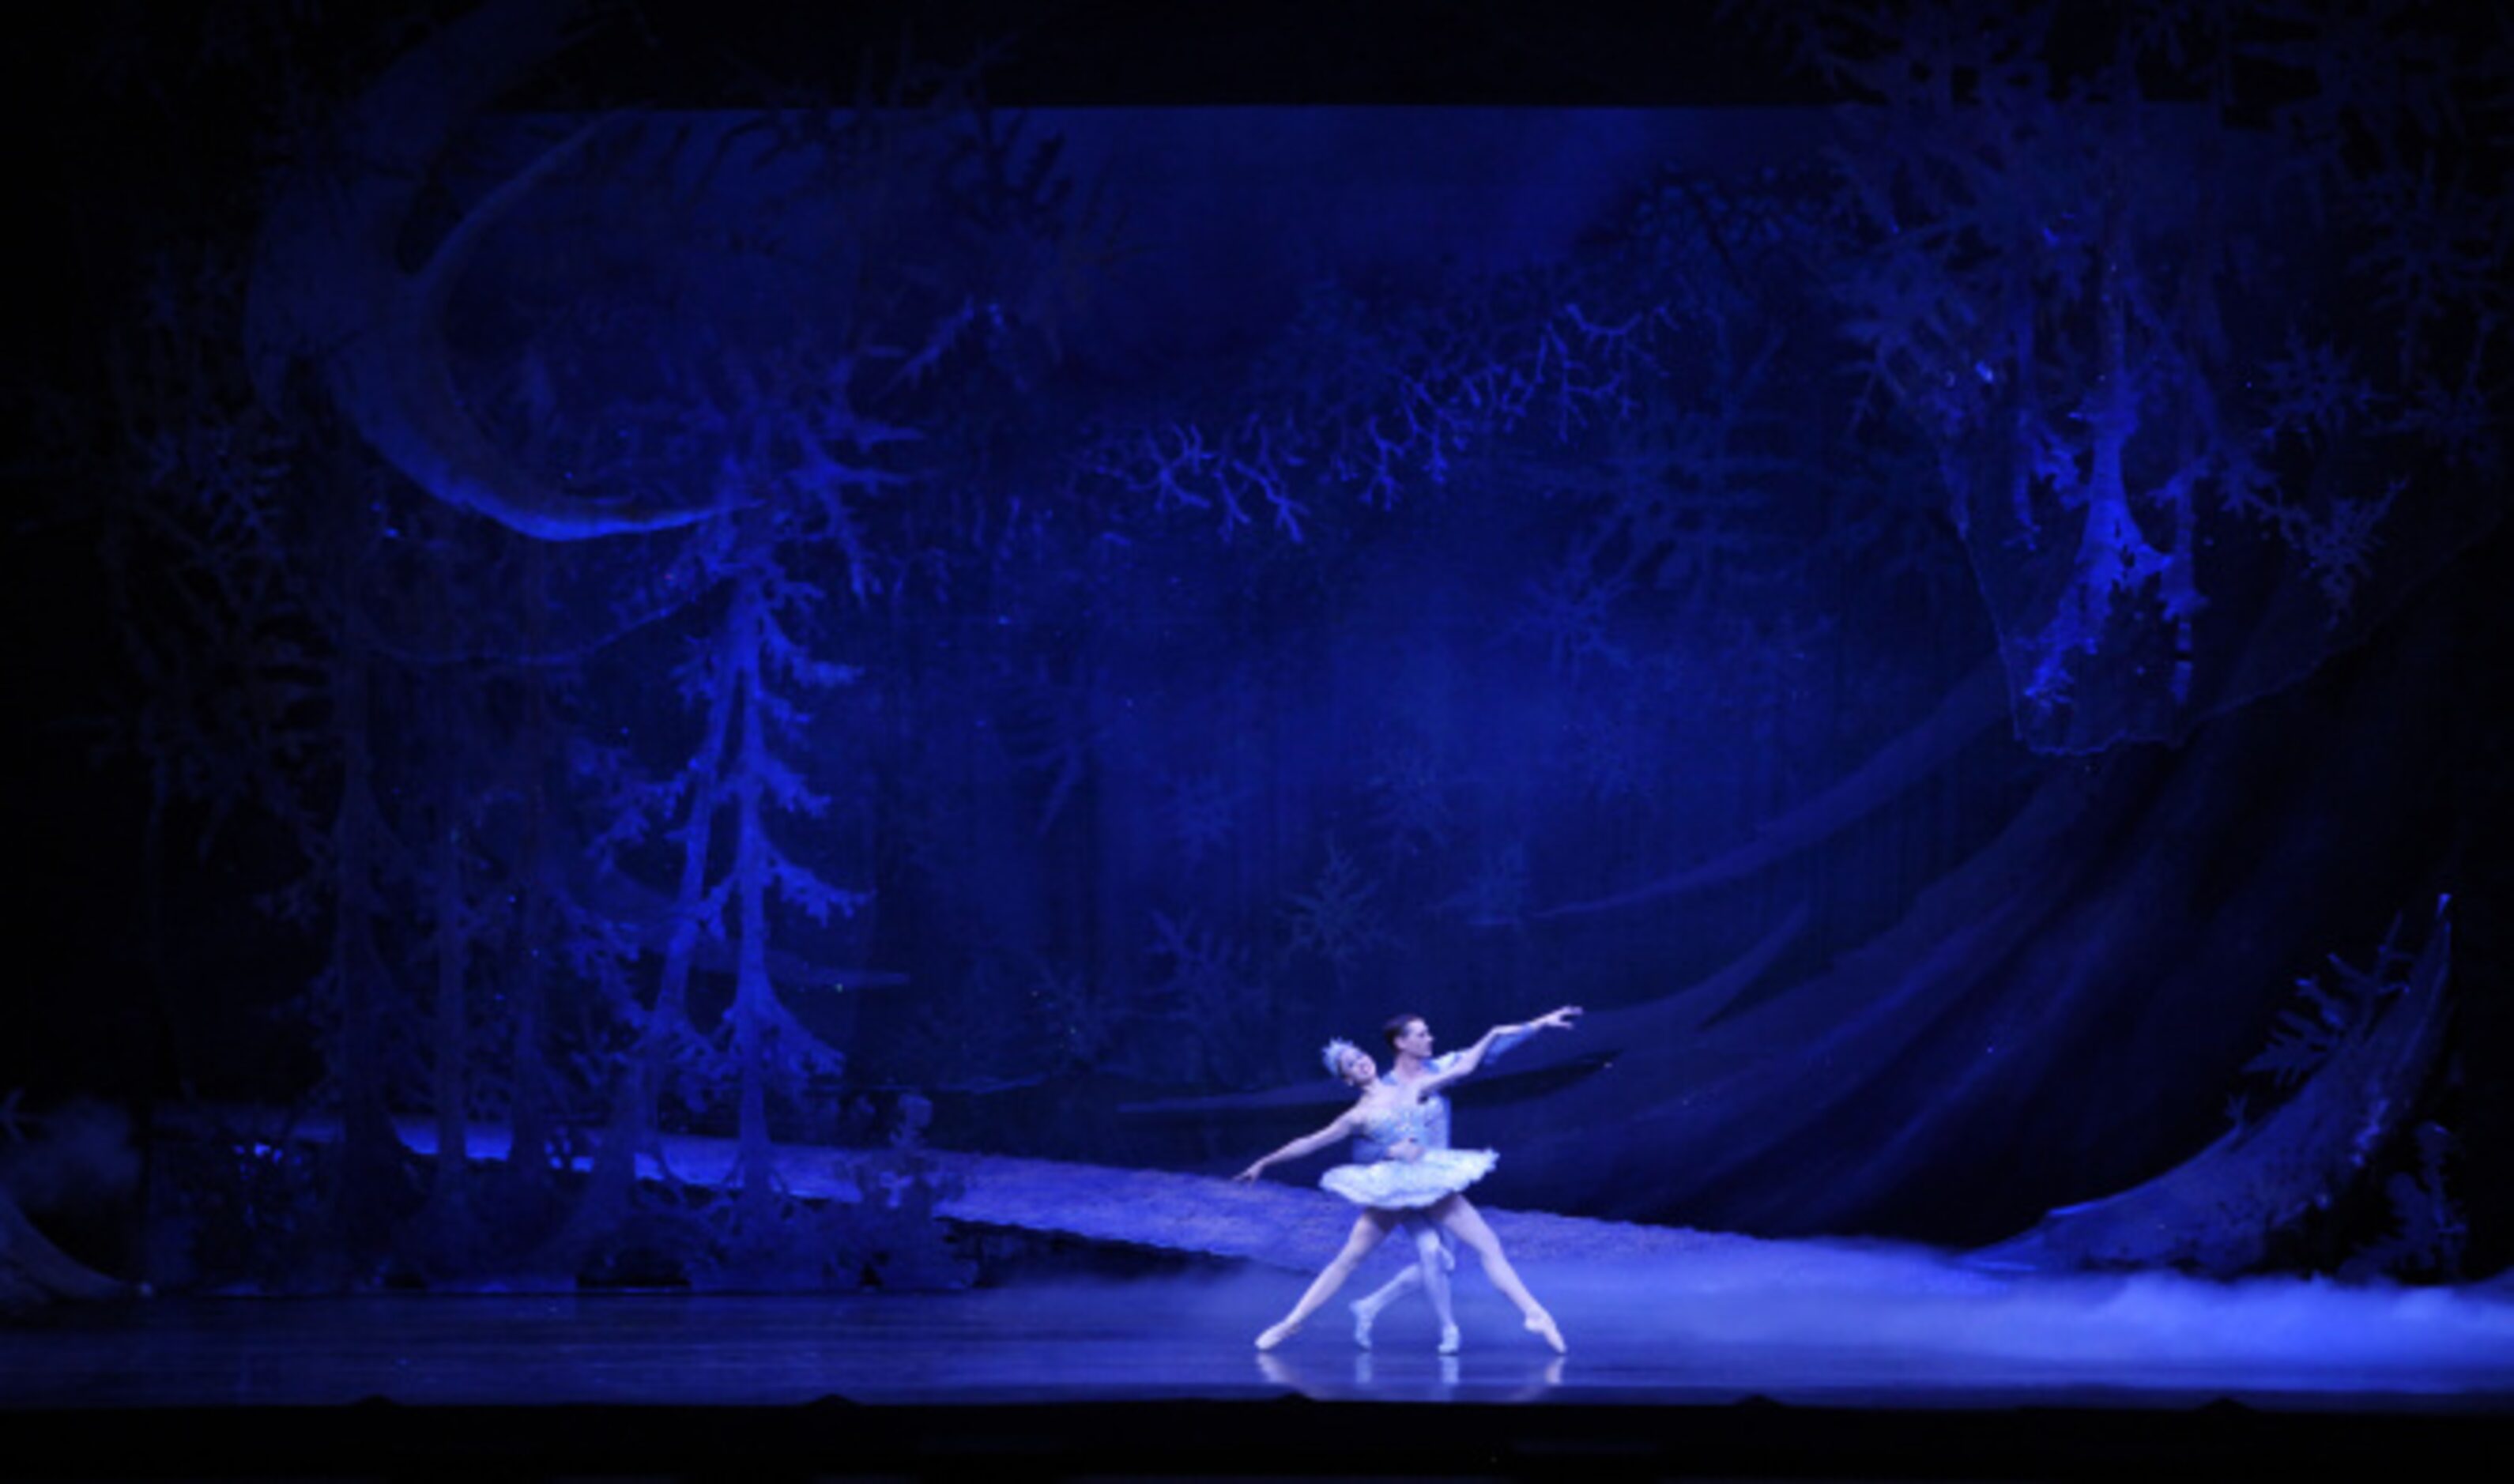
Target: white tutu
(1410, 1185)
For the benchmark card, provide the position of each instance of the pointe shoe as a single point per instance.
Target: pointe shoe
(1543, 1328)
(1361, 1318)
(1277, 1334)
(1448, 1340)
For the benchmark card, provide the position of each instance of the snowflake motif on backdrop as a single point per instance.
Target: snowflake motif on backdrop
(1080, 1017)
(1334, 918)
(1202, 966)
(2312, 391)
(1202, 809)
(2339, 549)
(1609, 750)
(1410, 801)
(1209, 988)
(1496, 897)
(2460, 419)
(1568, 612)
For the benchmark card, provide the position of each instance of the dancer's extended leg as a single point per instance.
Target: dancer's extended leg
(1432, 1259)
(1369, 1229)
(1468, 1225)
(1429, 1270)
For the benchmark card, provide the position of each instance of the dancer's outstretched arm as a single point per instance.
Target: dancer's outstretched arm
(1492, 1041)
(1307, 1143)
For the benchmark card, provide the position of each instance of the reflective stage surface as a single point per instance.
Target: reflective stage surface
(2037, 1375)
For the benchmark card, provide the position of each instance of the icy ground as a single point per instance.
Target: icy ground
(1653, 1314)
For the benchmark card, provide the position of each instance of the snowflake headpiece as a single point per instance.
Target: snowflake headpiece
(1333, 1055)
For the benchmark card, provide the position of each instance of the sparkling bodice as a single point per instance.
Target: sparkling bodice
(1427, 1121)
(1407, 1118)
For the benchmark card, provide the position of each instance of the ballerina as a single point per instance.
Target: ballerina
(1409, 1041)
(1414, 1181)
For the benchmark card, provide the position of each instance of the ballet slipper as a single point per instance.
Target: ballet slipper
(1361, 1317)
(1448, 1340)
(1542, 1327)
(1277, 1334)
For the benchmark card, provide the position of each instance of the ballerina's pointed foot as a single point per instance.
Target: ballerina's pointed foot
(1448, 1340)
(1361, 1317)
(1277, 1334)
(1543, 1328)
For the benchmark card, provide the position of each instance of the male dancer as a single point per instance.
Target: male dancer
(1409, 1038)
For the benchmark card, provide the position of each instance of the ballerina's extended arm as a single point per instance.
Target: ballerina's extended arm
(1305, 1144)
(1474, 1055)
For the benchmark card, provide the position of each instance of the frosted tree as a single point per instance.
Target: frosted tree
(688, 449)
(756, 681)
(214, 619)
(2179, 368)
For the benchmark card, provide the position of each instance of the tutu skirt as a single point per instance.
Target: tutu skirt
(1410, 1185)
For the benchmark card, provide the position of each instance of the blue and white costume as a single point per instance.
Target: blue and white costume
(1376, 1178)
(1408, 1185)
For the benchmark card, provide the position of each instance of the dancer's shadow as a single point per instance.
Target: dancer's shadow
(1370, 1375)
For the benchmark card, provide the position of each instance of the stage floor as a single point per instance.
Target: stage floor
(1646, 1334)
(2028, 1376)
